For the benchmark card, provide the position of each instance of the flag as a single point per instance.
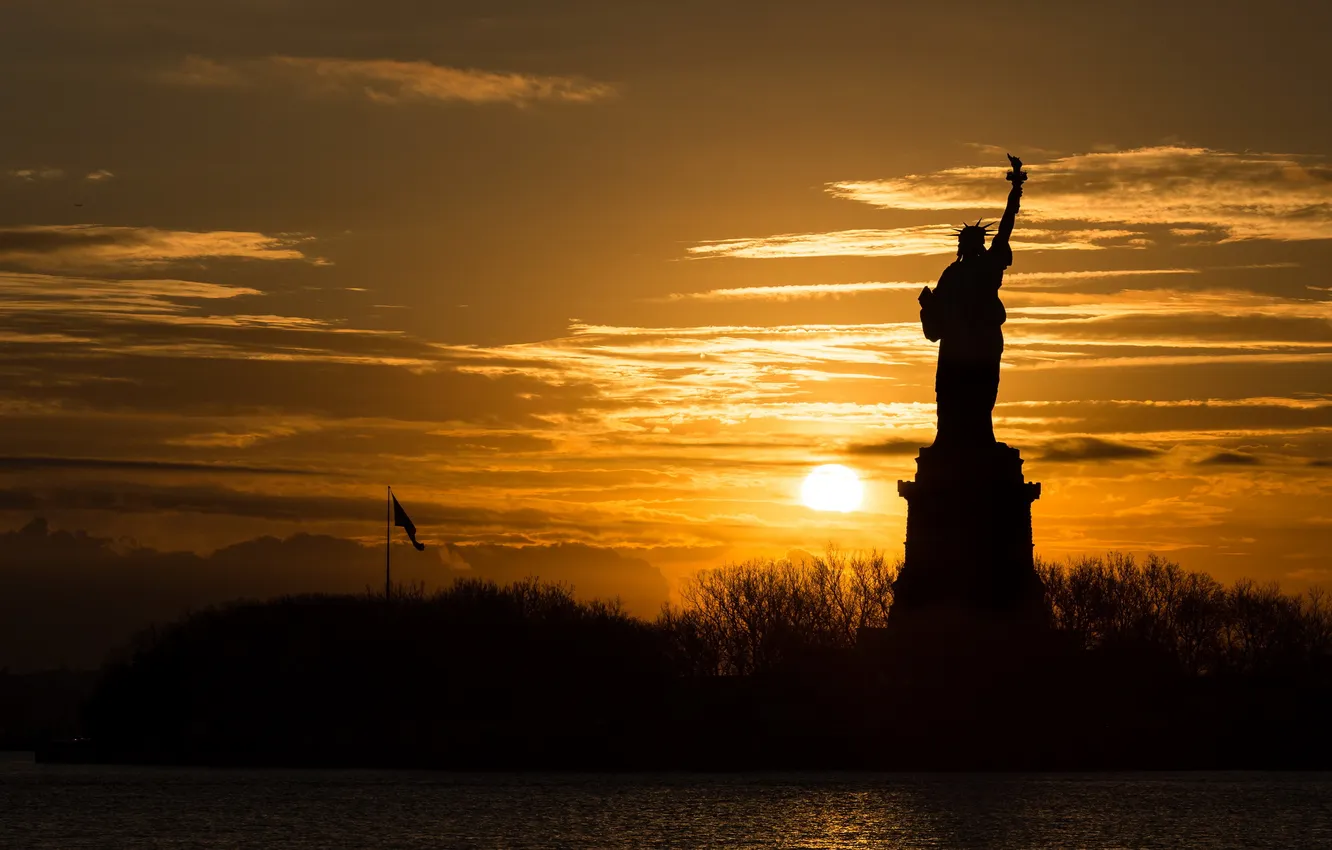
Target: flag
(400, 518)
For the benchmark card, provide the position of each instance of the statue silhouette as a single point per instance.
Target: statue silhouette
(964, 311)
(969, 537)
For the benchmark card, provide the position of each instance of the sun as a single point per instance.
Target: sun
(832, 487)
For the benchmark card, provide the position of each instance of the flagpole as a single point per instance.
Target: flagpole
(388, 544)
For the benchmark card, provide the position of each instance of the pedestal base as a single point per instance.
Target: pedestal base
(969, 541)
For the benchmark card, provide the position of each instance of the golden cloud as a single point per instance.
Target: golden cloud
(791, 292)
(926, 240)
(95, 296)
(698, 436)
(795, 291)
(63, 247)
(854, 380)
(1195, 191)
(387, 80)
(30, 175)
(97, 315)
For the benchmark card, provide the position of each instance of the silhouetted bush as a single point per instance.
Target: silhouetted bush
(464, 673)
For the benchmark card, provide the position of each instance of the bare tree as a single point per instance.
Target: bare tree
(1115, 601)
(759, 615)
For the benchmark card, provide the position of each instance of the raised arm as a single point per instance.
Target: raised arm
(1017, 176)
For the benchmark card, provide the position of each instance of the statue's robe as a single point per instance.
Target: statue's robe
(964, 311)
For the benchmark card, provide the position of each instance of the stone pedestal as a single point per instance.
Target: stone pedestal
(968, 541)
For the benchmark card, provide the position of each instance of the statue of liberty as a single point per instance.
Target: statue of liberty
(964, 311)
(969, 534)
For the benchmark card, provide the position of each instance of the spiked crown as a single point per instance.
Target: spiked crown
(973, 235)
(973, 232)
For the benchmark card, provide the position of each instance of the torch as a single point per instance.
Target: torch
(1017, 176)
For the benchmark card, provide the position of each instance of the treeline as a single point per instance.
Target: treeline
(761, 615)
(1199, 624)
(763, 664)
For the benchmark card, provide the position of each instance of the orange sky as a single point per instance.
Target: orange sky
(621, 273)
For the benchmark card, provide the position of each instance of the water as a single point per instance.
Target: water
(125, 807)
